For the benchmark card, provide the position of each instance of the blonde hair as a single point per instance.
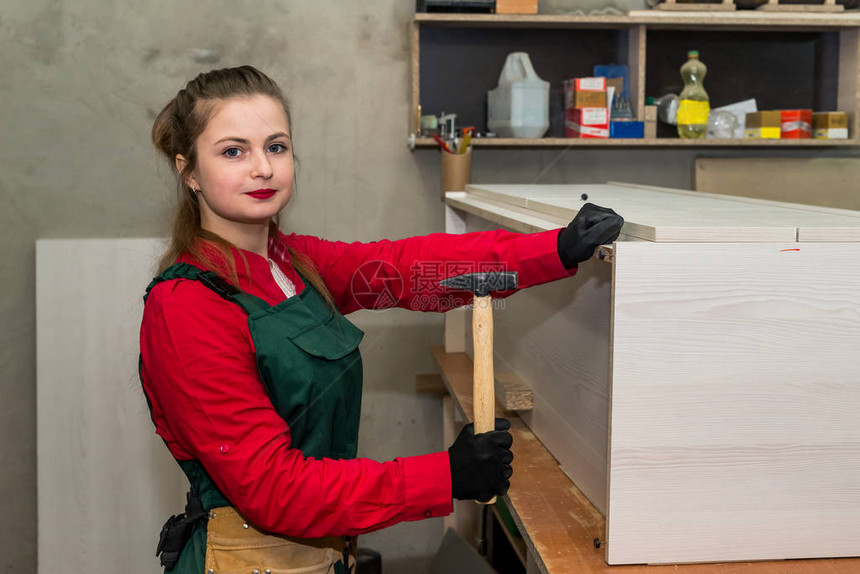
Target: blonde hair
(175, 132)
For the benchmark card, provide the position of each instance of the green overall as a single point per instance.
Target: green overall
(308, 358)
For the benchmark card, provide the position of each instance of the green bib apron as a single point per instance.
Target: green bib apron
(307, 355)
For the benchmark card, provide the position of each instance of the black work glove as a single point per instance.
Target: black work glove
(481, 463)
(592, 227)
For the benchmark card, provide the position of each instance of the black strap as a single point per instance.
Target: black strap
(220, 286)
(347, 542)
(216, 283)
(178, 530)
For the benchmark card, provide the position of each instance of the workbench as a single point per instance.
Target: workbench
(698, 387)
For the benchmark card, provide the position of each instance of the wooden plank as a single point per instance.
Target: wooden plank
(734, 397)
(636, 56)
(821, 181)
(740, 19)
(568, 373)
(669, 216)
(415, 80)
(559, 524)
(512, 393)
(557, 337)
(848, 98)
(656, 142)
(106, 483)
(516, 219)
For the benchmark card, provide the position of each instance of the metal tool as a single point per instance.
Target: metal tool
(483, 393)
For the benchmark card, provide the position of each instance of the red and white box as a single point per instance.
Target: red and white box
(796, 124)
(585, 93)
(590, 123)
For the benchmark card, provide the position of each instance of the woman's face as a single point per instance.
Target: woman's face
(245, 164)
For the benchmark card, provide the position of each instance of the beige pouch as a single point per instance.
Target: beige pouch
(234, 546)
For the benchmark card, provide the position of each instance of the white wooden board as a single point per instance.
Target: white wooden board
(735, 400)
(555, 337)
(663, 215)
(106, 482)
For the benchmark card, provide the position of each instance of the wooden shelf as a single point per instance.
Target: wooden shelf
(659, 142)
(651, 18)
(785, 60)
(559, 524)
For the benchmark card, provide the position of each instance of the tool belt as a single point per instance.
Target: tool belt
(178, 529)
(234, 545)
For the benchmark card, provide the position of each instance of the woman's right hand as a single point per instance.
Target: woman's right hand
(481, 463)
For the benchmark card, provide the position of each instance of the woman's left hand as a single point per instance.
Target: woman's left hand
(592, 227)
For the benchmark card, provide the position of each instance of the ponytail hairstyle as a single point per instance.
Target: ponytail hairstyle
(175, 132)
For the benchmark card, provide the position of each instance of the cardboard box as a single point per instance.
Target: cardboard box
(584, 93)
(830, 125)
(763, 125)
(516, 6)
(587, 123)
(796, 124)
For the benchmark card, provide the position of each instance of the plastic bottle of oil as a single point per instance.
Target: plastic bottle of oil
(694, 106)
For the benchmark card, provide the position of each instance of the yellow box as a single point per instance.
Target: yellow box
(763, 125)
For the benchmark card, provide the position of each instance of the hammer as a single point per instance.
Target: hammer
(483, 394)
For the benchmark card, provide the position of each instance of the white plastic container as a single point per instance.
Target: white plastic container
(519, 106)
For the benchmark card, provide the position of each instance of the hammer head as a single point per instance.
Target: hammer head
(481, 284)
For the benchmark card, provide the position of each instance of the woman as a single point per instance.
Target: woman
(252, 373)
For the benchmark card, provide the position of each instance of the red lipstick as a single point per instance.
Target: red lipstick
(261, 193)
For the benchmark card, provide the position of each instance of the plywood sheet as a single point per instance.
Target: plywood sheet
(662, 215)
(556, 337)
(822, 181)
(736, 387)
(106, 481)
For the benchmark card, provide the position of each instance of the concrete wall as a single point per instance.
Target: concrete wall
(80, 83)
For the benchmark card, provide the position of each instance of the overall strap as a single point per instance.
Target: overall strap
(250, 303)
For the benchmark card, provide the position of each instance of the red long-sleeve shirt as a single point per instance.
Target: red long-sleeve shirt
(209, 403)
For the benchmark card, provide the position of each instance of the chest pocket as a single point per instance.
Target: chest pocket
(308, 358)
(331, 340)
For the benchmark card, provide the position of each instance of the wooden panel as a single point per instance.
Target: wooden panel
(823, 181)
(636, 63)
(568, 373)
(106, 481)
(660, 215)
(510, 216)
(672, 142)
(415, 73)
(741, 19)
(736, 387)
(849, 72)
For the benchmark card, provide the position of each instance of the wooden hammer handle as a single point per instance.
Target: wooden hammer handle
(483, 393)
